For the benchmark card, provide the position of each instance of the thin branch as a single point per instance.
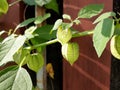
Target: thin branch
(15, 2)
(52, 86)
(85, 33)
(79, 34)
(43, 44)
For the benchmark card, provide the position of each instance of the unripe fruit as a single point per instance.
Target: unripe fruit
(115, 46)
(117, 29)
(21, 56)
(35, 61)
(64, 36)
(70, 52)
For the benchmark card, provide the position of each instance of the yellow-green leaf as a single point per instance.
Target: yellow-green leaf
(20, 57)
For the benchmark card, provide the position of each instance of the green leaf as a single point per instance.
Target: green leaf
(3, 7)
(102, 34)
(104, 16)
(35, 62)
(36, 20)
(70, 52)
(25, 23)
(56, 25)
(66, 16)
(44, 33)
(36, 41)
(53, 5)
(29, 32)
(117, 28)
(30, 2)
(42, 2)
(20, 57)
(13, 78)
(90, 10)
(40, 19)
(9, 47)
(66, 25)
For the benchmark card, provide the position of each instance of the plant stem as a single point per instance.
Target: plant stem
(85, 33)
(21, 63)
(43, 44)
(15, 2)
(51, 84)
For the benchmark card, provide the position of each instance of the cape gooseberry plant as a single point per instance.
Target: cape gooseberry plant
(28, 48)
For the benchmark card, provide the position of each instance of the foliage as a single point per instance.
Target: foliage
(28, 48)
(9, 46)
(49, 4)
(15, 77)
(90, 11)
(3, 7)
(102, 34)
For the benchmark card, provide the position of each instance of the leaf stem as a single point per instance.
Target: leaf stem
(43, 44)
(52, 87)
(21, 63)
(85, 33)
(79, 34)
(15, 2)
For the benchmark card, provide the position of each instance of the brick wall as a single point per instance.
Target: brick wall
(89, 72)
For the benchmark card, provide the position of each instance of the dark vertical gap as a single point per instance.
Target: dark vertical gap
(22, 8)
(54, 54)
(115, 64)
(28, 14)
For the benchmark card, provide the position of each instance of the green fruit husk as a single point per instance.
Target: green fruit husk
(35, 61)
(70, 52)
(115, 46)
(64, 36)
